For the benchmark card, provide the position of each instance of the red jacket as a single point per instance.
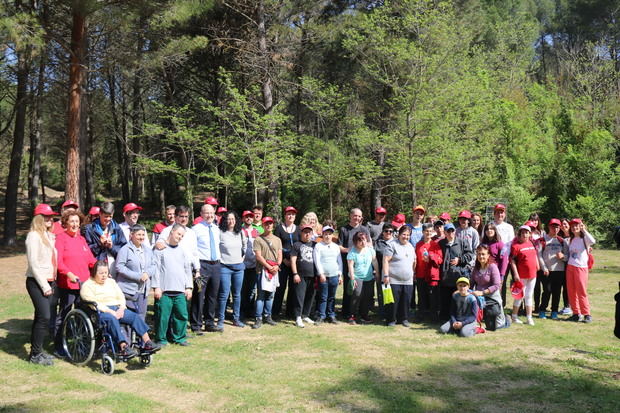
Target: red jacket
(159, 227)
(73, 256)
(429, 271)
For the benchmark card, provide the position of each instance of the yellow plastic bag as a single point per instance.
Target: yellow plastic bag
(388, 296)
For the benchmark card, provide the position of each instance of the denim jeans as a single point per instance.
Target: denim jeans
(113, 326)
(231, 274)
(264, 299)
(327, 298)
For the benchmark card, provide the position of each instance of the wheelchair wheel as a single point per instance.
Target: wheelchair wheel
(146, 359)
(78, 337)
(107, 364)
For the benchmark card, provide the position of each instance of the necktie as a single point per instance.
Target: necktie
(212, 243)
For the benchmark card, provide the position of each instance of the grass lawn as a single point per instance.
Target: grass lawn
(551, 367)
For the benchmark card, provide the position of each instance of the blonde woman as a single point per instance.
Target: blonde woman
(310, 219)
(40, 276)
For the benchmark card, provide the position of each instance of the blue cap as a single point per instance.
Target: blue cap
(449, 226)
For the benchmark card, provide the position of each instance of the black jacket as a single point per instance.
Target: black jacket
(459, 249)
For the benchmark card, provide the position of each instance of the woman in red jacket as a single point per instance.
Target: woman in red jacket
(74, 261)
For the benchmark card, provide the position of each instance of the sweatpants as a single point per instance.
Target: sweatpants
(42, 308)
(304, 296)
(402, 298)
(577, 283)
(468, 330)
(361, 299)
(552, 288)
(171, 309)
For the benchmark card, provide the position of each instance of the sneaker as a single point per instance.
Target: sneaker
(351, 321)
(41, 360)
(567, 311)
(270, 321)
(183, 343)
(333, 320)
(574, 317)
(198, 332)
(542, 314)
(258, 324)
(150, 346)
(215, 329)
(299, 323)
(515, 320)
(530, 321)
(162, 344)
(47, 355)
(319, 321)
(238, 323)
(128, 352)
(406, 323)
(391, 324)
(581, 318)
(308, 320)
(587, 319)
(554, 315)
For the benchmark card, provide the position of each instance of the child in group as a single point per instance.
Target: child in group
(463, 311)
(577, 270)
(524, 261)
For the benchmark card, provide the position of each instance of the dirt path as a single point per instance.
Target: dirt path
(12, 269)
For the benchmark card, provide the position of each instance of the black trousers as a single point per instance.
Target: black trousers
(304, 296)
(204, 296)
(284, 275)
(248, 293)
(505, 284)
(402, 299)
(552, 288)
(40, 324)
(66, 299)
(361, 299)
(424, 298)
(346, 298)
(445, 301)
(538, 288)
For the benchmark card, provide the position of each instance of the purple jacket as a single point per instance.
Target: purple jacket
(495, 249)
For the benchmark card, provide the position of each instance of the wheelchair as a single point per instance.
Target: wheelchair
(83, 333)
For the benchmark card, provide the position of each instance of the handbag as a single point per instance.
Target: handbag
(388, 295)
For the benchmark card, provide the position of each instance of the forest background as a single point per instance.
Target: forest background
(324, 105)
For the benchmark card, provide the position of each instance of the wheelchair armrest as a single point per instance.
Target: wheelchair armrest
(88, 305)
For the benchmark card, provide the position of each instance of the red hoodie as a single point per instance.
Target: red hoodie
(429, 271)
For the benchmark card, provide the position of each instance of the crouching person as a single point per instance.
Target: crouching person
(172, 285)
(463, 311)
(110, 301)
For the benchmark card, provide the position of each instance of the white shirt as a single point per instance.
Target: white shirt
(127, 229)
(204, 241)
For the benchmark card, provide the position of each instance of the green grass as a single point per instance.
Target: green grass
(551, 367)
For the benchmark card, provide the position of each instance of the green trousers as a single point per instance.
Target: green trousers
(171, 309)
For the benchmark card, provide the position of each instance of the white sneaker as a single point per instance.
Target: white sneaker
(530, 321)
(299, 323)
(515, 320)
(566, 311)
(308, 320)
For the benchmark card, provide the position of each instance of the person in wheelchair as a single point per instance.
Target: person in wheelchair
(112, 309)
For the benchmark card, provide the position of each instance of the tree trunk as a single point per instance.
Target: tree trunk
(136, 105)
(34, 170)
(76, 75)
(12, 184)
(124, 145)
(120, 151)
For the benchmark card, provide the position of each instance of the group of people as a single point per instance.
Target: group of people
(458, 270)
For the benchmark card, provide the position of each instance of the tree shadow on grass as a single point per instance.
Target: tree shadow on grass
(19, 407)
(17, 334)
(466, 386)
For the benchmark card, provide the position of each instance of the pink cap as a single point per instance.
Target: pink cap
(290, 209)
(465, 214)
(267, 219)
(499, 207)
(211, 201)
(555, 221)
(44, 209)
(399, 220)
(94, 210)
(575, 221)
(221, 210)
(247, 213)
(68, 203)
(131, 207)
(380, 210)
(445, 216)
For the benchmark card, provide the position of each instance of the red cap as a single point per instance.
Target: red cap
(555, 221)
(290, 209)
(445, 216)
(247, 213)
(419, 208)
(131, 207)
(267, 219)
(380, 210)
(68, 202)
(44, 209)
(94, 211)
(530, 224)
(517, 290)
(221, 210)
(211, 201)
(399, 220)
(465, 214)
(305, 227)
(499, 207)
(575, 221)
